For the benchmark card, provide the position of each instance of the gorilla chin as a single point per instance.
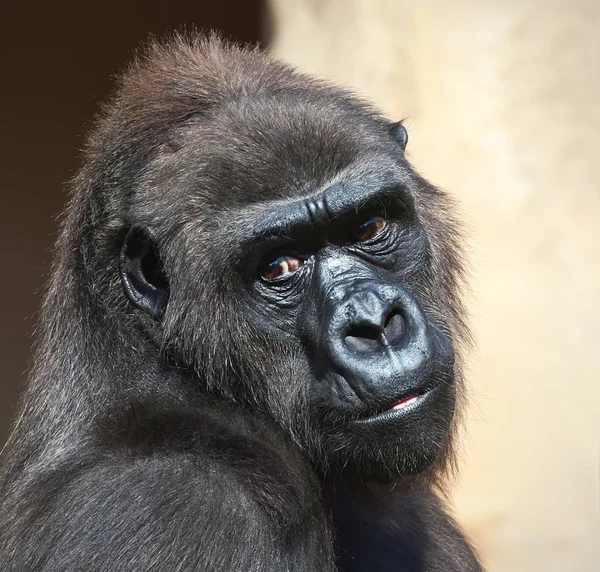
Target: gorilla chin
(405, 440)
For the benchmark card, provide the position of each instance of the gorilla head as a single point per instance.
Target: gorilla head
(276, 250)
(244, 238)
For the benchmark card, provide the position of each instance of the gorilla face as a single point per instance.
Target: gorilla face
(342, 276)
(302, 237)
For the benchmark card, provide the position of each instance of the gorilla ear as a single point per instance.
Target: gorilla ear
(142, 275)
(399, 133)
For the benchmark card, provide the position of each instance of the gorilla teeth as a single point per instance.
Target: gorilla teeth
(405, 402)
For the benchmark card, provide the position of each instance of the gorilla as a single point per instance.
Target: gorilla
(248, 353)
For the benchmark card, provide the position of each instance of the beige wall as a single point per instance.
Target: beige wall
(503, 107)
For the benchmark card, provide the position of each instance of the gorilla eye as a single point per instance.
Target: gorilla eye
(371, 228)
(281, 266)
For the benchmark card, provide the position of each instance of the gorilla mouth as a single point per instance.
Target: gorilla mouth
(406, 402)
(401, 408)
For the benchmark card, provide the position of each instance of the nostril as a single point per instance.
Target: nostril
(394, 327)
(393, 314)
(366, 332)
(364, 339)
(369, 337)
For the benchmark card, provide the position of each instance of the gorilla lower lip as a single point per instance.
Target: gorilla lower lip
(400, 409)
(405, 402)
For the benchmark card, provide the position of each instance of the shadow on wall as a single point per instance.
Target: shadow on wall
(57, 64)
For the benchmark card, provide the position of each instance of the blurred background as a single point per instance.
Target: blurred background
(502, 104)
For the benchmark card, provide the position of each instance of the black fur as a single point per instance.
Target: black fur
(170, 421)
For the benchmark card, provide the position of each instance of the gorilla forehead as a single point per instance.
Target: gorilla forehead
(214, 124)
(271, 147)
